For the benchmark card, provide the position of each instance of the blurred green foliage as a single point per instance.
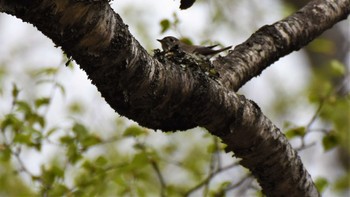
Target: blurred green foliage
(328, 92)
(87, 164)
(321, 184)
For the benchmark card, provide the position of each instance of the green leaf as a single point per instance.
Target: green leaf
(288, 124)
(22, 138)
(23, 106)
(66, 139)
(51, 174)
(186, 40)
(46, 71)
(29, 137)
(11, 121)
(338, 69)
(61, 88)
(51, 131)
(5, 153)
(213, 71)
(32, 118)
(73, 153)
(139, 161)
(321, 184)
(80, 130)
(76, 107)
(295, 132)
(320, 45)
(336, 111)
(220, 191)
(42, 102)
(343, 183)
(134, 131)
(59, 190)
(329, 141)
(57, 171)
(101, 161)
(214, 147)
(90, 140)
(165, 24)
(88, 165)
(15, 90)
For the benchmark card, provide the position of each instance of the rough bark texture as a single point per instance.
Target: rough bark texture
(272, 42)
(170, 96)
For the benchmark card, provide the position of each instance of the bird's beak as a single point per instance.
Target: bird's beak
(159, 40)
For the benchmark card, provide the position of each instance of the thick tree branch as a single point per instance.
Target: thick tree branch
(272, 42)
(170, 96)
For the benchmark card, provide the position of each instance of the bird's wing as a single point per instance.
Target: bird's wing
(224, 49)
(212, 46)
(209, 51)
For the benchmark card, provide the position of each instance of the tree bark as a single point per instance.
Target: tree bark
(168, 96)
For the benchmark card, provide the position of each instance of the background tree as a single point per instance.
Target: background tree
(78, 140)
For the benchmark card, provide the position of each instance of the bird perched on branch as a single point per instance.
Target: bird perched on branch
(170, 42)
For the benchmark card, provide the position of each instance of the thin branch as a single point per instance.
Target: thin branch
(156, 168)
(160, 177)
(308, 129)
(239, 183)
(305, 146)
(210, 176)
(314, 117)
(215, 160)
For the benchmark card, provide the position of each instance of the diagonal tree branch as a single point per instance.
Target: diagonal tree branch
(272, 42)
(166, 96)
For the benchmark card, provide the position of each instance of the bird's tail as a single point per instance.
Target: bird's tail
(224, 49)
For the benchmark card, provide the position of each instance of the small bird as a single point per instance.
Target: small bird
(170, 42)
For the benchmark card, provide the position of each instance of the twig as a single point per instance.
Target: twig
(214, 157)
(210, 176)
(160, 177)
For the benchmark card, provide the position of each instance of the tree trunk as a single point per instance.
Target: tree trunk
(164, 95)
